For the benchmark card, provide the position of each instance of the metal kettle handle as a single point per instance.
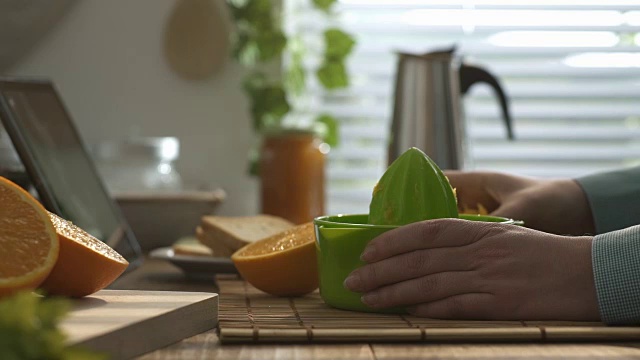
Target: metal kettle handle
(470, 75)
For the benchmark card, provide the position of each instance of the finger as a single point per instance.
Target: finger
(503, 186)
(407, 266)
(424, 289)
(472, 306)
(519, 210)
(430, 234)
(512, 209)
(472, 188)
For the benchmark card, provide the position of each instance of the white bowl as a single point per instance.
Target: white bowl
(159, 219)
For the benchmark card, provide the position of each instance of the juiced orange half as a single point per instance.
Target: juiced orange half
(284, 264)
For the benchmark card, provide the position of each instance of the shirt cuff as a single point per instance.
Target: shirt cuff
(616, 270)
(614, 198)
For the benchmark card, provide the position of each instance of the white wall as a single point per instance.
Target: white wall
(106, 59)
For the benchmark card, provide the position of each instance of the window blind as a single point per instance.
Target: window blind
(570, 68)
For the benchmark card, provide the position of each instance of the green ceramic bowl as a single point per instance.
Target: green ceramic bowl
(340, 240)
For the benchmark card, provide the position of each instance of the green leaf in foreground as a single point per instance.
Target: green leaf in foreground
(29, 329)
(412, 189)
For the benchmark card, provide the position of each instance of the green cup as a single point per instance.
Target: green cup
(340, 240)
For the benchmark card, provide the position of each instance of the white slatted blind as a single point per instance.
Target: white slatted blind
(571, 69)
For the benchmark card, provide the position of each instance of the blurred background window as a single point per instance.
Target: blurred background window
(571, 69)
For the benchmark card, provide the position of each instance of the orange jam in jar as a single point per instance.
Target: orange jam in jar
(292, 175)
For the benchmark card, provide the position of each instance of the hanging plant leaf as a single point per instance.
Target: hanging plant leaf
(327, 128)
(254, 82)
(296, 75)
(296, 79)
(270, 44)
(333, 75)
(245, 50)
(338, 44)
(324, 5)
(249, 50)
(254, 161)
(259, 38)
(275, 99)
(269, 104)
(256, 12)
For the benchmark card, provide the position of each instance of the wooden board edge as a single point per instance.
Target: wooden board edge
(136, 339)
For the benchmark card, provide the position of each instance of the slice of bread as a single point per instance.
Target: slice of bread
(236, 232)
(191, 247)
(217, 247)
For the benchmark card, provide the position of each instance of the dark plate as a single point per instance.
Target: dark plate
(195, 265)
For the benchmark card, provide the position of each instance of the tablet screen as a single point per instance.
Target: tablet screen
(57, 161)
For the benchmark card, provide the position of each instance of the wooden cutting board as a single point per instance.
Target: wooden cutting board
(127, 323)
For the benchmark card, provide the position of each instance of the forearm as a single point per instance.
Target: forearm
(616, 270)
(614, 198)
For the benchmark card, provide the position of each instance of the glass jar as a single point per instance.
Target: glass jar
(140, 165)
(292, 174)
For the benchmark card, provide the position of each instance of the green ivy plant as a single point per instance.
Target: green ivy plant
(260, 40)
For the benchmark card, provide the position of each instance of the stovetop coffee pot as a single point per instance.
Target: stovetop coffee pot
(428, 106)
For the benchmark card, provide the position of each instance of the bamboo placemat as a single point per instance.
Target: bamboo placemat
(248, 315)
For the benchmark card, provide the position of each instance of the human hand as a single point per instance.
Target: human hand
(554, 206)
(457, 269)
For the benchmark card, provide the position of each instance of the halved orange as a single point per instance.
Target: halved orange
(29, 245)
(85, 264)
(284, 264)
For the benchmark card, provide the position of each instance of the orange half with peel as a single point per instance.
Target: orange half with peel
(284, 264)
(85, 264)
(29, 245)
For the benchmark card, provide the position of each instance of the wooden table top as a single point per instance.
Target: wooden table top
(158, 275)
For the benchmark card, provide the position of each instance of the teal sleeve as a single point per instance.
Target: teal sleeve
(616, 270)
(614, 198)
